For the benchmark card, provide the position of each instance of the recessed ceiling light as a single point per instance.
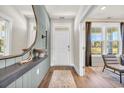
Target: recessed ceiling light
(103, 8)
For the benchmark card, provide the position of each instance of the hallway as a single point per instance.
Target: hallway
(62, 46)
(92, 79)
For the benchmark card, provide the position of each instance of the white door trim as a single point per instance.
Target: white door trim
(52, 40)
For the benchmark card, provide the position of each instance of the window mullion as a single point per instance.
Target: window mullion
(104, 40)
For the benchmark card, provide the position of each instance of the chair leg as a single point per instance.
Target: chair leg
(103, 68)
(120, 77)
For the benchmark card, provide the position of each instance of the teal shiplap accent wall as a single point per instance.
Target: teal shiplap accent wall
(43, 25)
(33, 77)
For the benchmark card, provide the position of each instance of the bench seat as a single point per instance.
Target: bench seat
(116, 67)
(111, 62)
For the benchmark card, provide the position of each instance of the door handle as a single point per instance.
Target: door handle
(68, 47)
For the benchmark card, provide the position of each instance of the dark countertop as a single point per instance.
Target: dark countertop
(13, 72)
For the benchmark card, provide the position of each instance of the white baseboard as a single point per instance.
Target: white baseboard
(80, 73)
(76, 69)
(62, 65)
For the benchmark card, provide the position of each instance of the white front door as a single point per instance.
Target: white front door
(61, 44)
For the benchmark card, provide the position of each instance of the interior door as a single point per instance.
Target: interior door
(61, 44)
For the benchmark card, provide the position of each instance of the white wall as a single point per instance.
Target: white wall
(19, 28)
(77, 64)
(79, 39)
(31, 33)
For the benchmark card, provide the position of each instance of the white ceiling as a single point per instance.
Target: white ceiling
(66, 11)
(25, 10)
(110, 12)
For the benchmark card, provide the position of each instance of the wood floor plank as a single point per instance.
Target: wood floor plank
(91, 79)
(62, 79)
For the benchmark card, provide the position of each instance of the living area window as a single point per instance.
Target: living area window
(4, 37)
(96, 40)
(112, 40)
(105, 38)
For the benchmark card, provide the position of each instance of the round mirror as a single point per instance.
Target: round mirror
(17, 29)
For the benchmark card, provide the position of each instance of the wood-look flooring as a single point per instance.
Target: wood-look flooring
(91, 79)
(62, 79)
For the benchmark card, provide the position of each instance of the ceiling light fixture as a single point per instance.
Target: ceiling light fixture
(103, 8)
